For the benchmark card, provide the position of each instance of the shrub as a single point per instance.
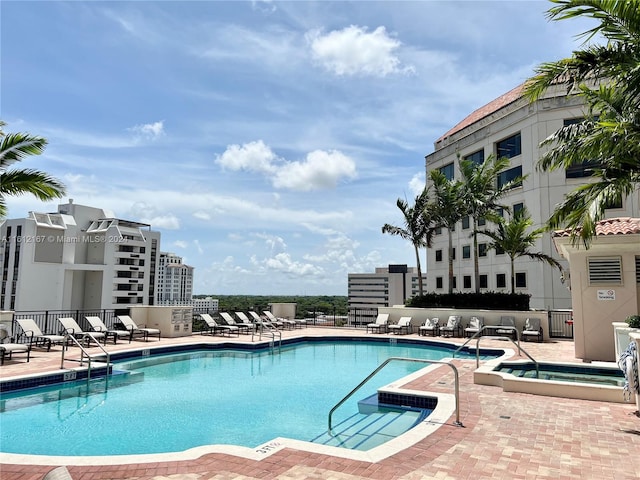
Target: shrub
(483, 301)
(633, 321)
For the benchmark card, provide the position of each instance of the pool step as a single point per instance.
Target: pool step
(365, 431)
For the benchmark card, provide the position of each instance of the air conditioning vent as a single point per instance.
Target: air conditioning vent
(605, 270)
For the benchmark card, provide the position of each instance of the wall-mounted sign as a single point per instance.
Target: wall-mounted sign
(606, 294)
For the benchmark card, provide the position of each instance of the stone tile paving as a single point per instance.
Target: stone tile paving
(505, 436)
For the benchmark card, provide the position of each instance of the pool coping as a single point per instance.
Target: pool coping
(441, 414)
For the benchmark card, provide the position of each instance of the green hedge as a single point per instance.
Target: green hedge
(483, 301)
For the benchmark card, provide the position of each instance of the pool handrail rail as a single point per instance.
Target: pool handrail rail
(457, 422)
(501, 337)
(83, 353)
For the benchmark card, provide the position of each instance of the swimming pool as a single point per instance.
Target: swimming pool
(170, 403)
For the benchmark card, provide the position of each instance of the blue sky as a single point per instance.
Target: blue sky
(267, 141)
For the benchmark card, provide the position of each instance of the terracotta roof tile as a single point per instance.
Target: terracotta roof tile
(610, 226)
(491, 107)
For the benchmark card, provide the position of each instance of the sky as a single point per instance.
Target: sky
(267, 141)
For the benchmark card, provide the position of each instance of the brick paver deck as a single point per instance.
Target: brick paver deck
(505, 436)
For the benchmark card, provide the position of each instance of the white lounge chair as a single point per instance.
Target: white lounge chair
(71, 327)
(31, 330)
(265, 322)
(229, 320)
(244, 320)
(475, 324)
(403, 325)
(127, 322)
(532, 329)
(8, 349)
(291, 324)
(215, 327)
(98, 326)
(453, 328)
(380, 325)
(507, 327)
(431, 326)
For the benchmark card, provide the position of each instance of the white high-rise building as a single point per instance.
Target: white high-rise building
(76, 258)
(174, 280)
(388, 286)
(512, 127)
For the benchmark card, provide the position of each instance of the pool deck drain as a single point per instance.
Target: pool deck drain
(545, 438)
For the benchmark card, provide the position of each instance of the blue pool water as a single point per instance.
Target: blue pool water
(565, 373)
(176, 402)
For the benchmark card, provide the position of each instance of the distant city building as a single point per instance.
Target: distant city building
(388, 286)
(207, 304)
(78, 258)
(174, 280)
(511, 127)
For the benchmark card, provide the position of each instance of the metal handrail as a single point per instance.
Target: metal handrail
(477, 336)
(84, 353)
(271, 331)
(404, 359)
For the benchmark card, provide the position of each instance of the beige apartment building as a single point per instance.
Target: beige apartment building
(388, 286)
(511, 127)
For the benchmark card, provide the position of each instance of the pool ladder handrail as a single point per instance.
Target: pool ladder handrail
(271, 331)
(457, 422)
(478, 336)
(84, 353)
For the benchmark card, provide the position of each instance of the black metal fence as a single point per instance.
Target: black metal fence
(560, 323)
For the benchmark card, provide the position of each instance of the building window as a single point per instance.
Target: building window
(438, 230)
(453, 283)
(518, 207)
(438, 255)
(482, 249)
(521, 280)
(466, 251)
(453, 253)
(581, 170)
(466, 281)
(476, 157)
(447, 171)
(509, 147)
(499, 250)
(481, 222)
(510, 175)
(484, 281)
(501, 280)
(616, 203)
(605, 270)
(500, 212)
(438, 282)
(465, 222)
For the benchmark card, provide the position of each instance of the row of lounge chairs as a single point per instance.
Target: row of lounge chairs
(453, 327)
(125, 328)
(243, 324)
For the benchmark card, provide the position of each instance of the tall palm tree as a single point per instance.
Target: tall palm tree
(447, 208)
(610, 135)
(416, 229)
(480, 195)
(14, 147)
(512, 237)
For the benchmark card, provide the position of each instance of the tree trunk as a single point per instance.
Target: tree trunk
(419, 271)
(476, 267)
(513, 277)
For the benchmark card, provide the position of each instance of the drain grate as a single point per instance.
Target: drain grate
(506, 417)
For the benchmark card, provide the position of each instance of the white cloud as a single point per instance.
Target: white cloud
(200, 215)
(196, 243)
(180, 244)
(149, 131)
(320, 169)
(168, 222)
(417, 183)
(283, 263)
(252, 156)
(354, 50)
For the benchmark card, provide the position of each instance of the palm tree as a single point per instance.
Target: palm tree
(480, 195)
(610, 134)
(14, 147)
(512, 238)
(416, 229)
(447, 209)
